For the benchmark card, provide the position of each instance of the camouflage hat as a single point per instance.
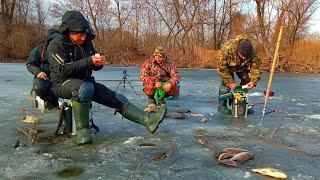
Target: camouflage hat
(160, 51)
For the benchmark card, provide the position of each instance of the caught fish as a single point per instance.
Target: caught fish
(228, 162)
(225, 156)
(211, 101)
(232, 156)
(233, 150)
(160, 156)
(204, 119)
(163, 155)
(242, 157)
(201, 139)
(270, 172)
(30, 119)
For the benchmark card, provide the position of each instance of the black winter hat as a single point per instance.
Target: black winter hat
(245, 48)
(75, 21)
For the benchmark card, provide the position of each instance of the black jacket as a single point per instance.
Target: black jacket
(71, 60)
(37, 61)
(35, 64)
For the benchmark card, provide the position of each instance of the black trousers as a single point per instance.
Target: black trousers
(43, 89)
(102, 95)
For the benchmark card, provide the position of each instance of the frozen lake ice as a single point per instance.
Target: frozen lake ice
(288, 141)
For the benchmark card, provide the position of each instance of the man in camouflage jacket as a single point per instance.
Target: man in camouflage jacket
(237, 56)
(159, 72)
(38, 65)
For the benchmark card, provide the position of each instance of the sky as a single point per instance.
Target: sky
(315, 22)
(313, 28)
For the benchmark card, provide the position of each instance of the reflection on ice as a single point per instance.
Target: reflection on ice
(255, 94)
(314, 116)
(132, 140)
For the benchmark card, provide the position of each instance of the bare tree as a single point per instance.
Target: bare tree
(299, 14)
(40, 14)
(7, 10)
(22, 11)
(261, 7)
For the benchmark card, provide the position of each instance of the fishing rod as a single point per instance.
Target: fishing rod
(274, 62)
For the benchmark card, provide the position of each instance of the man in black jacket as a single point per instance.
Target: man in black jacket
(38, 65)
(72, 59)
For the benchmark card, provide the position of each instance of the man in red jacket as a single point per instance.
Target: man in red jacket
(159, 72)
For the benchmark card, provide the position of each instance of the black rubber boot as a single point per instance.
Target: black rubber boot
(150, 120)
(250, 110)
(222, 108)
(80, 113)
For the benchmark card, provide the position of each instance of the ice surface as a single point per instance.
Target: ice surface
(289, 139)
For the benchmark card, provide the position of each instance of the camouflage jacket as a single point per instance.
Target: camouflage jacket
(229, 62)
(153, 72)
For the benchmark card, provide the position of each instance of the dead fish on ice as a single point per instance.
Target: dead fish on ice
(228, 162)
(30, 119)
(201, 139)
(233, 150)
(204, 141)
(163, 155)
(242, 157)
(233, 156)
(270, 172)
(203, 120)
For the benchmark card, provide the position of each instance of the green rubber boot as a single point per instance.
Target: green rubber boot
(222, 108)
(161, 101)
(80, 113)
(150, 120)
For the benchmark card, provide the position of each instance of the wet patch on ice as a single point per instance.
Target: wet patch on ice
(70, 172)
(303, 117)
(301, 104)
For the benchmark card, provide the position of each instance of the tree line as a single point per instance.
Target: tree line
(127, 31)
